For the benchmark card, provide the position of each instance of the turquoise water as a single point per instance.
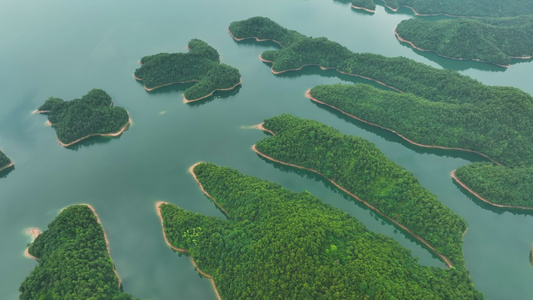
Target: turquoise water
(65, 48)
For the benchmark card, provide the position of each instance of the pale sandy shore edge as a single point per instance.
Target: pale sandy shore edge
(363, 8)
(182, 250)
(9, 165)
(185, 100)
(113, 134)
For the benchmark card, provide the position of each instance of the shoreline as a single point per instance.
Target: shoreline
(34, 232)
(163, 85)
(185, 100)
(260, 127)
(444, 258)
(182, 250)
(191, 170)
(449, 57)
(427, 15)
(363, 8)
(308, 95)
(106, 242)
(11, 163)
(466, 187)
(253, 37)
(35, 112)
(113, 134)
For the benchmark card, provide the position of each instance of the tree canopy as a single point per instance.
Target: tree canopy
(93, 114)
(200, 64)
(278, 244)
(494, 40)
(73, 261)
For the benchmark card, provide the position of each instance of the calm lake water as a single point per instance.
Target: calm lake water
(66, 48)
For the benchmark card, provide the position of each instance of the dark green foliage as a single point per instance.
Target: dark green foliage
(4, 160)
(487, 39)
(368, 4)
(466, 125)
(264, 28)
(92, 114)
(358, 166)
(497, 184)
(284, 245)
(201, 64)
(479, 8)
(73, 260)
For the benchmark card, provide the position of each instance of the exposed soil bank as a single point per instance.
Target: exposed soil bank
(308, 95)
(445, 259)
(363, 8)
(442, 55)
(34, 232)
(182, 250)
(11, 163)
(185, 100)
(483, 199)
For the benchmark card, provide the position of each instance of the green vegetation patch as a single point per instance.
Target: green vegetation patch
(4, 160)
(487, 39)
(73, 262)
(502, 114)
(478, 8)
(200, 64)
(284, 245)
(358, 166)
(93, 114)
(365, 4)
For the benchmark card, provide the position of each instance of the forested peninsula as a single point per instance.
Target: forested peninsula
(5, 162)
(469, 8)
(360, 169)
(73, 260)
(201, 64)
(278, 244)
(493, 40)
(507, 109)
(78, 119)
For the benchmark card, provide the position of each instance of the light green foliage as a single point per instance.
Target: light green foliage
(73, 261)
(92, 114)
(201, 64)
(284, 245)
(487, 39)
(359, 166)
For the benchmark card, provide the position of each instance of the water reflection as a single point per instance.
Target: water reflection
(93, 141)
(5, 172)
(216, 95)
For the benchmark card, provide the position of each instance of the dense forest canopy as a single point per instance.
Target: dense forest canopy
(278, 244)
(494, 40)
(474, 8)
(73, 262)
(93, 114)
(201, 64)
(510, 109)
(358, 166)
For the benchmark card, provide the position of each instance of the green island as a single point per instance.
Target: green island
(73, 260)
(493, 40)
(472, 8)
(467, 126)
(357, 167)
(278, 244)
(5, 162)
(201, 64)
(510, 108)
(91, 115)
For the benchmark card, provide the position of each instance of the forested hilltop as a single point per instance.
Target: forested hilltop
(513, 133)
(493, 40)
(279, 244)
(91, 115)
(73, 260)
(473, 8)
(467, 126)
(200, 64)
(360, 168)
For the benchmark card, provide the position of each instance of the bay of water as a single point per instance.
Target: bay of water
(66, 48)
